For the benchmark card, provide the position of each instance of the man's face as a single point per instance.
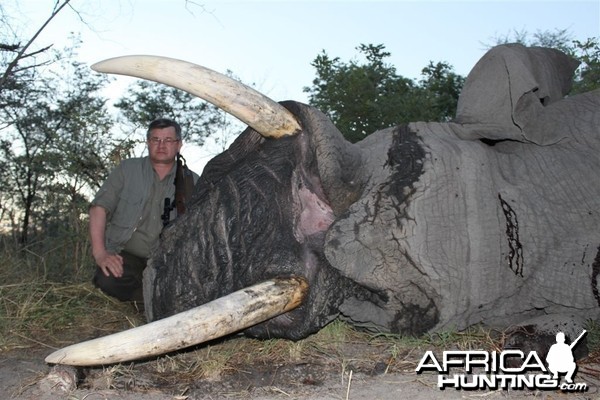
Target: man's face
(163, 145)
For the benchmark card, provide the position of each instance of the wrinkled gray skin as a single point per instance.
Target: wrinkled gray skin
(417, 228)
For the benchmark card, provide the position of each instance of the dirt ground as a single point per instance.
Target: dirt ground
(25, 375)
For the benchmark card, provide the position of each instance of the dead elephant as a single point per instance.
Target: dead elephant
(492, 218)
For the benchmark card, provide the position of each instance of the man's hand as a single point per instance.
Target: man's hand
(110, 264)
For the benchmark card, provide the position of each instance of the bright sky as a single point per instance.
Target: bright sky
(272, 43)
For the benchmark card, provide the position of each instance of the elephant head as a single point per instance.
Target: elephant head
(488, 219)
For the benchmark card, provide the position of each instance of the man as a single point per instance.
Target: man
(126, 216)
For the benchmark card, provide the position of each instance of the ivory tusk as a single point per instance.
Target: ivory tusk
(225, 315)
(264, 115)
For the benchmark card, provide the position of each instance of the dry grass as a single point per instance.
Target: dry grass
(53, 315)
(336, 347)
(35, 312)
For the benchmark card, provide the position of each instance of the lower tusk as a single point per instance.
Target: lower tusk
(225, 315)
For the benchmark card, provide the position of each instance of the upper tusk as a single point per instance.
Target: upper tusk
(225, 315)
(264, 115)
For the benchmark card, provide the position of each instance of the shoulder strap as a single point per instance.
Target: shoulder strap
(184, 185)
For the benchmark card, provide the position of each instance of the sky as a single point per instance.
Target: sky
(271, 44)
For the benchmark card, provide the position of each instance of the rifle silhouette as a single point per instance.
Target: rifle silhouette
(574, 342)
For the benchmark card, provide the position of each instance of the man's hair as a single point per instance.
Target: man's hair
(164, 123)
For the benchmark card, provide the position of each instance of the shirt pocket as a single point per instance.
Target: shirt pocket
(128, 211)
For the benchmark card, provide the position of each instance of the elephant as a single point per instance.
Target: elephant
(491, 218)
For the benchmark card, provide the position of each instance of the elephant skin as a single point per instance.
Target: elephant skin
(492, 218)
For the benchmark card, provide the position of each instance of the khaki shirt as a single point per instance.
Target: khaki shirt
(144, 238)
(134, 197)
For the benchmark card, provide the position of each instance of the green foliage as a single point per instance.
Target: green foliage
(363, 98)
(593, 336)
(588, 75)
(440, 88)
(359, 99)
(55, 146)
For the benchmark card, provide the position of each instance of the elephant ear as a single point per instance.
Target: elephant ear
(508, 88)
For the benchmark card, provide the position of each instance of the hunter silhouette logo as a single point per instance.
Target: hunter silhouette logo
(560, 357)
(499, 371)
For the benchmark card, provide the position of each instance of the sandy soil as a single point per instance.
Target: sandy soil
(24, 375)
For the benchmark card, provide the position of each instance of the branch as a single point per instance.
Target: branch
(58, 7)
(35, 52)
(10, 47)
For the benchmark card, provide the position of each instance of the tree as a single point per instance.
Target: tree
(54, 148)
(363, 98)
(359, 99)
(441, 88)
(21, 150)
